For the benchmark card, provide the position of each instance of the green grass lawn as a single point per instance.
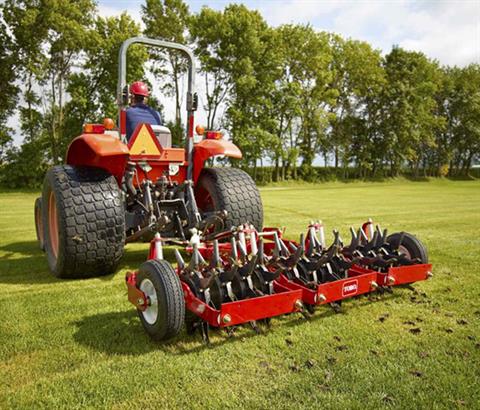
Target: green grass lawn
(79, 343)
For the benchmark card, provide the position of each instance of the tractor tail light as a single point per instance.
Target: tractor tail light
(94, 128)
(213, 135)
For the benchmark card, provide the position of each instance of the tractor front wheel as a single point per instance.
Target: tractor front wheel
(83, 220)
(163, 318)
(231, 190)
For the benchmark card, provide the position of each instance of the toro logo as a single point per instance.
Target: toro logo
(350, 287)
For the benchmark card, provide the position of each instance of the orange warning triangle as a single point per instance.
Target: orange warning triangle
(143, 142)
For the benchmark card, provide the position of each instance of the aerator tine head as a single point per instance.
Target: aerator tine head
(206, 282)
(228, 275)
(249, 267)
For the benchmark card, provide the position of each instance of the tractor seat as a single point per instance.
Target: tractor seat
(163, 134)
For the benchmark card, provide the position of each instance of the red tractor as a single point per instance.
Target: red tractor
(111, 192)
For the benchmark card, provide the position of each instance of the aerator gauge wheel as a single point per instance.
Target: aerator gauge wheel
(163, 318)
(408, 245)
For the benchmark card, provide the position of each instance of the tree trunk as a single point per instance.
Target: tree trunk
(277, 170)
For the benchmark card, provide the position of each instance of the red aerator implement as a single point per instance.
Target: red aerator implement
(112, 191)
(246, 276)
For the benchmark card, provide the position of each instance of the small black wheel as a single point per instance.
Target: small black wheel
(410, 246)
(83, 217)
(231, 190)
(39, 224)
(164, 317)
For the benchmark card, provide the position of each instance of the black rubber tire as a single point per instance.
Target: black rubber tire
(232, 190)
(90, 221)
(415, 248)
(171, 304)
(39, 223)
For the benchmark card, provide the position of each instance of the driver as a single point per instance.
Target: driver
(139, 112)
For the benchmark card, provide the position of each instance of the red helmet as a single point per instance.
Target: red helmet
(139, 88)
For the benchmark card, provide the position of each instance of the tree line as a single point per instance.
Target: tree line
(286, 95)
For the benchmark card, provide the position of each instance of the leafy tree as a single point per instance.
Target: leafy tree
(464, 116)
(8, 88)
(93, 89)
(48, 58)
(306, 58)
(359, 78)
(167, 20)
(409, 119)
(206, 30)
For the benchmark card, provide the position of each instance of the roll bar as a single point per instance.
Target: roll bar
(191, 98)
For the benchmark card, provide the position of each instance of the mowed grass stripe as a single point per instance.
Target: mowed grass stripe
(72, 344)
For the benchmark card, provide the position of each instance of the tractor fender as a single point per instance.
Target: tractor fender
(101, 151)
(211, 148)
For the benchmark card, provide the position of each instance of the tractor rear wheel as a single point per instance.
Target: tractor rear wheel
(410, 246)
(83, 220)
(39, 224)
(164, 316)
(231, 190)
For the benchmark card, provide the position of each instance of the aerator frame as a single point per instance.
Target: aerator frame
(244, 276)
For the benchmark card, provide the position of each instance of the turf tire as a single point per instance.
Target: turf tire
(410, 245)
(39, 224)
(87, 205)
(170, 301)
(232, 190)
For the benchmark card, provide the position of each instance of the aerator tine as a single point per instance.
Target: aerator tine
(179, 259)
(311, 242)
(234, 251)
(355, 242)
(243, 251)
(261, 252)
(277, 249)
(216, 260)
(298, 253)
(284, 249)
(197, 261)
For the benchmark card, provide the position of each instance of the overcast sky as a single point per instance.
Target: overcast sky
(446, 30)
